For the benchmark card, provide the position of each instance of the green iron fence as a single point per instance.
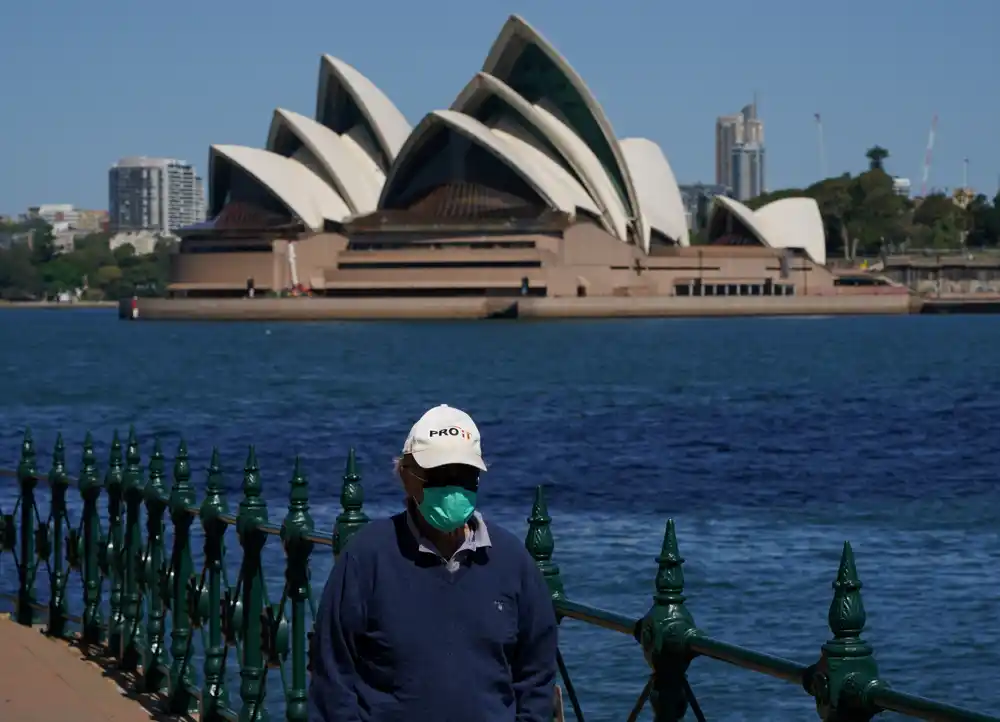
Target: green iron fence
(157, 599)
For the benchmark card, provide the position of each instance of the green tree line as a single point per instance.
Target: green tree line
(863, 215)
(36, 271)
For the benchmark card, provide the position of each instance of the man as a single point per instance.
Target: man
(430, 616)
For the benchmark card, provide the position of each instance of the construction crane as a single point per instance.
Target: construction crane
(822, 146)
(927, 156)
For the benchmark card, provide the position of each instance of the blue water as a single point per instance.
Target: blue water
(770, 441)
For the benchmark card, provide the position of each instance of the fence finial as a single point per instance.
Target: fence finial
(90, 489)
(541, 545)
(665, 630)
(847, 670)
(352, 498)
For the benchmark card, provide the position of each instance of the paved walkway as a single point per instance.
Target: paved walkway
(47, 680)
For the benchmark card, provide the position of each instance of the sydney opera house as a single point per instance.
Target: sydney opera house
(520, 188)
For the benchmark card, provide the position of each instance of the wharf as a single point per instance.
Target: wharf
(320, 308)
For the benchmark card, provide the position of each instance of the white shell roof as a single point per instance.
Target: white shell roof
(786, 223)
(387, 124)
(350, 165)
(795, 223)
(517, 31)
(587, 171)
(356, 177)
(659, 196)
(305, 195)
(511, 151)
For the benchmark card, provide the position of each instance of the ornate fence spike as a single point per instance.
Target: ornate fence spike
(540, 544)
(352, 499)
(214, 503)
(132, 556)
(27, 460)
(847, 671)
(214, 696)
(113, 480)
(90, 489)
(297, 526)
(182, 500)
(27, 480)
(665, 631)
(58, 461)
(59, 483)
(252, 514)
(155, 573)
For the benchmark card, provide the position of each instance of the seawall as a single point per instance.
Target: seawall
(324, 309)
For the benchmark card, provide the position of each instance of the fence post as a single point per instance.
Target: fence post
(352, 498)
(182, 498)
(59, 482)
(540, 544)
(297, 526)
(133, 556)
(214, 696)
(113, 484)
(90, 490)
(847, 672)
(27, 480)
(252, 513)
(664, 633)
(155, 572)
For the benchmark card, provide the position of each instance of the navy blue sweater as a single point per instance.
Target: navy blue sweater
(400, 637)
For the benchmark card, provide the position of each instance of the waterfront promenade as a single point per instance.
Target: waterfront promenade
(48, 679)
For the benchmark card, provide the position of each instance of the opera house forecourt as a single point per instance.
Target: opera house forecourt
(517, 201)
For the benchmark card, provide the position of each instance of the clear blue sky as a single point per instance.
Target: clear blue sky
(85, 83)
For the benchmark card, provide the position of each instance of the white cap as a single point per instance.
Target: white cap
(445, 435)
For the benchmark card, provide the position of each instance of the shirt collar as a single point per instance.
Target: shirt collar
(477, 538)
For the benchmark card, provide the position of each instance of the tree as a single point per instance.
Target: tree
(864, 214)
(39, 271)
(876, 157)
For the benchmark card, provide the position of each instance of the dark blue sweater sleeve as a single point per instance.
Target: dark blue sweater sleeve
(534, 664)
(332, 695)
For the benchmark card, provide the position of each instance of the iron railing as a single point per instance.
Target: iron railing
(158, 601)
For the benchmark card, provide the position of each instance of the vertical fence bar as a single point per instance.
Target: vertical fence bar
(252, 513)
(113, 484)
(132, 554)
(59, 482)
(214, 696)
(27, 481)
(664, 633)
(298, 523)
(155, 573)
(90, 490)
(182, 497)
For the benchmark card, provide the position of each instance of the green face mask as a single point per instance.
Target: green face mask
(446, 508)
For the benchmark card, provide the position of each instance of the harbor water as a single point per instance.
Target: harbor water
(769, 441)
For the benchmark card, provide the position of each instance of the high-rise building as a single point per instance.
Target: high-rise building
(739, 152)
(747, 168)
(154, 194)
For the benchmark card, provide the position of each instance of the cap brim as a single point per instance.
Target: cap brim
(433, 458)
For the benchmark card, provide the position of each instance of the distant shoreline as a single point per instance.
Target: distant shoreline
(57, 304)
